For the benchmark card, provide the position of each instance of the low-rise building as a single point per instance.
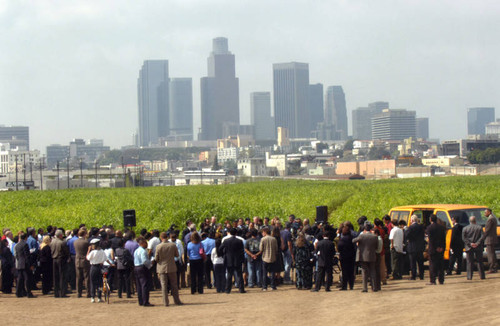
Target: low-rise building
(252, 167)
(443, 161)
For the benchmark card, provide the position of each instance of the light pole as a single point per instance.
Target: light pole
(31, 168)
(124, 174)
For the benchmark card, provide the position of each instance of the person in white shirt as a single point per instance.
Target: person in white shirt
(96, 257)
(397, 249)
(152, 244)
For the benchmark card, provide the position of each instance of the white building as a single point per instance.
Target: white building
(252, 167)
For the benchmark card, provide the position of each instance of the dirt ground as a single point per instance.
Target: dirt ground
(404, 302)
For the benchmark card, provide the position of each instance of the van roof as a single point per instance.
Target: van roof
(438, 206)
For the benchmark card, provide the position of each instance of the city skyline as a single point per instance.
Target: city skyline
(65, 81)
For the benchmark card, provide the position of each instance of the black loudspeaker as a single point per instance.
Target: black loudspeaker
(129, 217)
(321, 214)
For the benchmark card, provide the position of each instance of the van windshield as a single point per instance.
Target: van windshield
(463, 215)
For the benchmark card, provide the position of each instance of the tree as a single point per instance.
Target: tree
(349, 145)
(377, 153)
(216, 165)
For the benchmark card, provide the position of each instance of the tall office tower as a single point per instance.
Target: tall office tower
(378, 107)
(152, 91)
(394, 125)
(219, 92)
(316, 105)
(16, 136)
(478, 118)
(291, 98)
(422, 128)
(260, 116)
(180, 92)
(335, 110)
(362, 123)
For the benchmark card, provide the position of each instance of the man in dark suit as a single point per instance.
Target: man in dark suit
(436, 233)
(82, 265)
(22, 256)
(491, 239)
(456, 246)
(366, 255)
(234, 254)
(60, 255)
(415, 235)
(325, 252)
(472, 235)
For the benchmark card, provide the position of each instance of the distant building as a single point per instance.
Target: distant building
(422, 125)
(252, 167)
(16, 136)
(219, 92)
(152, 90)
(316, 105)
(378, 107)
(362, 123)
(462, 147)
(56, 153)
(181, 108)
(335, 110)
(260, 115)
(478, 118)
(394, 125)
(493, 128)
(291, 98)
(283, 137)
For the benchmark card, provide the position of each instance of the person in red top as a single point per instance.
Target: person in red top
(379, 225)
(388, 227)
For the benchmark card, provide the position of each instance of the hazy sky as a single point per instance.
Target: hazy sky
(68, 69)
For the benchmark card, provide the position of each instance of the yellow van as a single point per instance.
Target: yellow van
(444, 212)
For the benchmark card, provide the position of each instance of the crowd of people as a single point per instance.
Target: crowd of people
(242, 253)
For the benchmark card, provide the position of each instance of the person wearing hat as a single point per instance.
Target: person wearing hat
(366, 255)
(96, 257)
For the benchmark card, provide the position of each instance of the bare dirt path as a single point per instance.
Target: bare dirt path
(458, 302)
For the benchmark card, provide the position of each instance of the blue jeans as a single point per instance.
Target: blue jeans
(254, 271)
(287, 260)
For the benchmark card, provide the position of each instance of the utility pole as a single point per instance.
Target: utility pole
(57, 175)
(96, 173)
(24, 169)
(31, 168)
(67, 168)
(81, 172)
(17, 186)
(41, 174)
(124, 174)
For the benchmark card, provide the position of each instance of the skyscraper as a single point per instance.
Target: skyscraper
(335, 110)
(316, 105)
(394, 125)
(378, 107)
(219, 92)
(422, 128)
(16, 136)
(291, 98)
(181, 108)
(260, 115)
(478, 118)
(362, 123)
(152, 91)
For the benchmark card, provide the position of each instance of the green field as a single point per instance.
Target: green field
(160, 206)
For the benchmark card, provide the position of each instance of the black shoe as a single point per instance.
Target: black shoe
(343, 289)
(328, 290)
(148, 305)
(314, 290)
(243, 291)
(30, 295)
(364, 291)
(448, 273)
